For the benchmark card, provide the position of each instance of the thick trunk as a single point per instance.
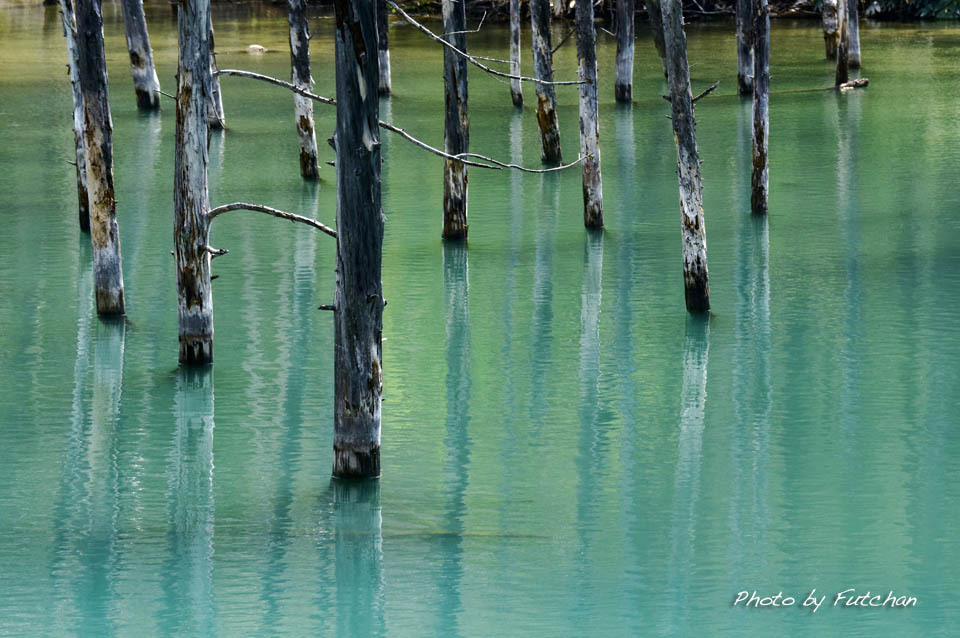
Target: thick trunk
(760, 179)
(853, 34)
(215, 103)
(383, 48)
(589, 120)
(745, 47)
(843, 68)
(456, 134)
(543, 70)
(623, 84)
(145, 81)
(831, 28)
(98, 150)
(359, 292)
(190, 196)
(656, 25)
(516, 92)
(695, 279)
(73, 61)
(300, 77)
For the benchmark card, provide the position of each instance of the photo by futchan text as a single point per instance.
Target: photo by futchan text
(846, 598)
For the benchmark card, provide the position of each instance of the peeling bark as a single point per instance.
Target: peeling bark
(383, 48)
(300, 77)
(589, 118)
(693, 231)
(843, 67)
(745, 47)
(656, 25)
(623, 84)
(543, 70)
(73, 61)
(760, 179)
(358, 319)
(98, 150)
(853, 34)
(145, 82)
(831, 27)
(456, 134)
(215, 103)
(516, 90)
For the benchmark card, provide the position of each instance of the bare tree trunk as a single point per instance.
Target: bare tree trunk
(853, 34)
(843, 68)
(760, 180)
(215, 104)
(559, 6)
(543, 70)
(98, 150)
(745, 47)
(456, 136)
(190, 195)
(383, 48)
(589, 119)
(831, 27)
(695, 278)
(623, 84)
(300, 77)
(656, 25)
(359, 294)
(516, 92)
(73, 61)
(145, 81)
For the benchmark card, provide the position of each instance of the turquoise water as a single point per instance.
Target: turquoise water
(565, 453)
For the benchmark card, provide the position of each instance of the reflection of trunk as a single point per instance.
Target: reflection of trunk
(761, 108)
(623, 84)
(853, 34)
(656, 25)
(358, 320)
(383, 48)
(744, 47)
(831, 27)
(98, 149)
(215, 105)
(543, 70)
(145, 81)
(843, 70)
(516, 92)
(694, 235)
(73, 61)
(300, 77)
(358, 538)
(456, 137)
(589, 119)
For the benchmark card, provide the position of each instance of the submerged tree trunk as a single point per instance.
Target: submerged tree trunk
(300, 77)
(853, 34)
(98, 150)
(623, 84)
(145, 81)
(73, 60)
(383, 48)
(516, 92)
(745, 47)
(190, 195)
(215, 103)
(456, 135)
(359, 294)
(543, 70)
(695, 279)
(843, 69)
(760, 179)
(656, 25)
(831, 27)
(589, 120)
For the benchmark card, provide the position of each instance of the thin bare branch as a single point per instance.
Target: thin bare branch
(477, 30)
(271, 80)
(219, 210)
(563, 41)
(436, 151)
(523, 168)
(707, 92)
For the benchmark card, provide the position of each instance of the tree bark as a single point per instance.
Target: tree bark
(300, 77)
(215, 104)
(73, 60)
(98, 150)
(145, 82)
(760, 179)
(383, 48)
(695, 276)
(853, 34)
(543, 70)
(623, 83)
(843, 67)
(745, 47)
(656, 25)
(456, 137)
(359, 299)
(190, 194)
(831, 28)
(589, 118)
(516, 90)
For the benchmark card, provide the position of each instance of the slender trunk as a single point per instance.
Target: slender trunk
(145, 81)
(456, 133)
(300, 77)
(543, 70)
(359, 293)
(589, 120)
(843, 67)
(516, 90)
(73, 61)
(656, 25)
(215, 104)
(383, 48)
(745, 47)
(694, 235)
(760, 179)
(831, 27)
(853, 34)
(190, 196)
(623, 84)
(98, 150)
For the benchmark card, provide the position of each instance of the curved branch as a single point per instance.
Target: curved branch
(219, 210)
(270, 80)
(523, 168)
(436, 151)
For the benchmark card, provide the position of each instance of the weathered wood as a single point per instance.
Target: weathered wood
(215, 104)
(190, 193)
(693, 231)
(589, 117)
(744, 47)
(300, 76)
(831, 28)
(98, 150)
(456, 132)
(843, 67)
(73, 60)
(358, 320)
(760, 179)
(516, 90)
(145, 82)
(623, 82)
(656, 25)
(543, 70)
(853, 34)
(383, 49)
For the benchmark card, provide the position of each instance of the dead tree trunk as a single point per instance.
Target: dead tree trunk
(516, 92)
(656, 25)
(383, 48)
(145, 81)
(831, 28)
(853, 34)
(190, 195)
(215, 99)
(98, 150)
(695, 279)
(760, 180)
(359, 293)
(843, 67)
(543, 70)
(73, 60)
(589, 119)
(558, 8)
(623, 83)
(456, 134)
(300, 77)
(745, 47)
